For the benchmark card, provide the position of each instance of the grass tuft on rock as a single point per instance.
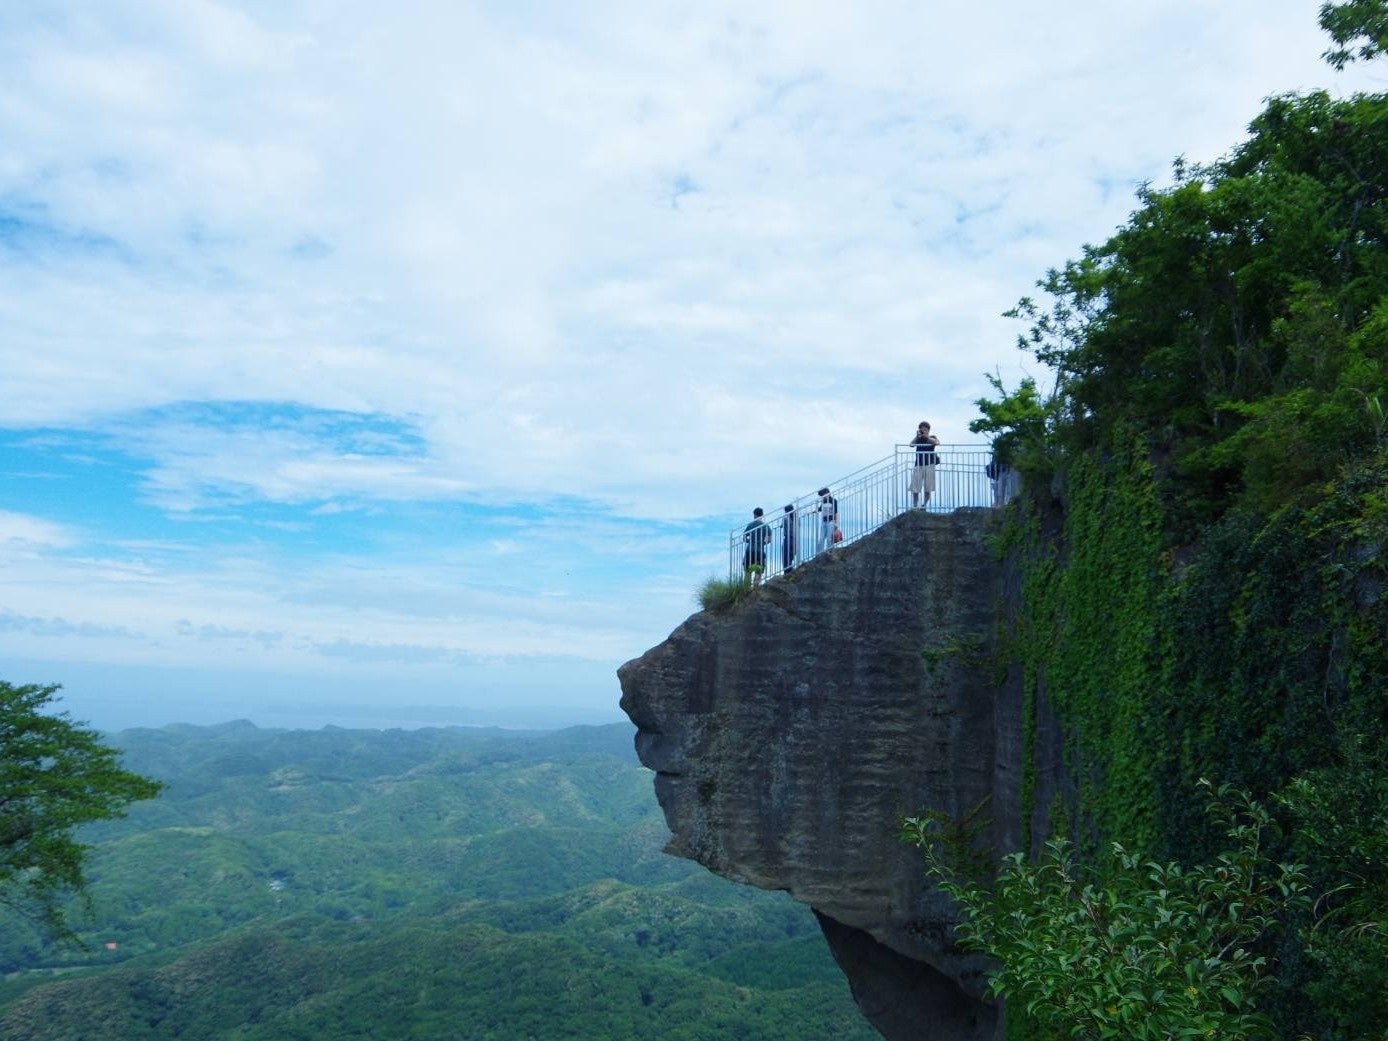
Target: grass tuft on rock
(719, 594)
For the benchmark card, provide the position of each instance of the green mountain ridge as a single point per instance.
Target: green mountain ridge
(411, 884)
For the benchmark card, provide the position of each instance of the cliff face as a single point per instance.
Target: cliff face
(789, 733)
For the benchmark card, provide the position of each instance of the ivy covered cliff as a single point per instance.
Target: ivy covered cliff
(1205, 538)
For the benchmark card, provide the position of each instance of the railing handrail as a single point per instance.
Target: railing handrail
(869, 497)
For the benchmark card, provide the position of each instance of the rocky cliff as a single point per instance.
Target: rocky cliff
(788, 734)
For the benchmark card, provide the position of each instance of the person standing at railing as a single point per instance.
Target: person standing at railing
(788, 539)
(828, 510)
(923, 473)
(756, 535)
(1004, 480)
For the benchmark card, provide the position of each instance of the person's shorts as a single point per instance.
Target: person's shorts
(754, 569)
(922, 480)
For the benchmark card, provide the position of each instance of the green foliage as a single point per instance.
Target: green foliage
(1019, 421)
(1277, 649)
(308, 980)
(1137, 949)
(1235, 323)
(1257, 653)
(1203, 566)
(1359, 29)
(719, 594)
(55, 775)
(1093, 633)
(1341, 816)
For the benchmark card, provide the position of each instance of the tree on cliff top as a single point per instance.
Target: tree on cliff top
(1236, 327)
(55, 775)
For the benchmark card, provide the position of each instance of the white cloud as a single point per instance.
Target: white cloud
(23, 533)
(669, 260)
(142, 604)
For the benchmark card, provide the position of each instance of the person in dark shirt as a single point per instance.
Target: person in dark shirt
(1004, 480)
(923, 473)
(756, 536)
(788, 534)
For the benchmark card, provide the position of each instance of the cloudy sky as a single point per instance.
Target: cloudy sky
(382, 364)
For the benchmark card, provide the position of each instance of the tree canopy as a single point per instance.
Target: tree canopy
(55, 775)
(1359, 29)
(1237, 325)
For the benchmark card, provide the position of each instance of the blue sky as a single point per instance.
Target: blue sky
(384, 365)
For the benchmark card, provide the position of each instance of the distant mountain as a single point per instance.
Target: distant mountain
(437, 883)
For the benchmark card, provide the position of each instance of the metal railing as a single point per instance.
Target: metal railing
(867, 499)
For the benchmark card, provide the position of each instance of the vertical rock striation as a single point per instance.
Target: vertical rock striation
(789, 734)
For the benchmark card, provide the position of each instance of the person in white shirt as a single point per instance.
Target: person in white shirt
(828, 510)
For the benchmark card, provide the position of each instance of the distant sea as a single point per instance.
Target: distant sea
(113, 698)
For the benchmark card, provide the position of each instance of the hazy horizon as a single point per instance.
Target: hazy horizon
(118, 699)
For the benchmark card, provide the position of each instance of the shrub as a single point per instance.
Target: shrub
(1139, 950)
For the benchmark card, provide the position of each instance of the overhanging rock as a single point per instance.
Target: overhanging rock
(790, 733)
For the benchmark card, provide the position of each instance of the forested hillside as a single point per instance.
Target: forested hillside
(410, 884)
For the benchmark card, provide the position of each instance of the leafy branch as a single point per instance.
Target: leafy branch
(1131, 948)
